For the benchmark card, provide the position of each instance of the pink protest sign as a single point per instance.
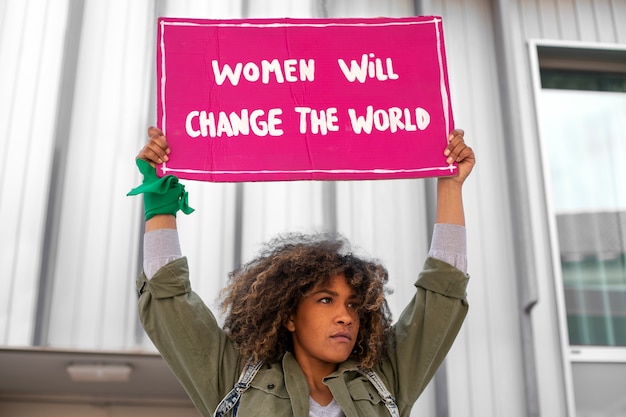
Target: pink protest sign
(303, 99)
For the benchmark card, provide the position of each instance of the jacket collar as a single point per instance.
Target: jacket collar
(298, 389)
(296, 385)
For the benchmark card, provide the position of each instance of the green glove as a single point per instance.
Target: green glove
(160, 195)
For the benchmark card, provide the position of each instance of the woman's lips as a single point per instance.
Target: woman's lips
(342, 336)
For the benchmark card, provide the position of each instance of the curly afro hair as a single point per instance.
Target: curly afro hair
(265, 292)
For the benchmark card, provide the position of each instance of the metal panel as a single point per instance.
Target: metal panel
(370, 8)
(200, 9)
(568, 26)
(583, 20)
(549, 20)
(605, 21)
(528, 17)
(280, 8)
(31, 43)
(272, 208)
(586, 18)
(92, 302)
(618, 12)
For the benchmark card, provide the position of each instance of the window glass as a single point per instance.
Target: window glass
(582, 120)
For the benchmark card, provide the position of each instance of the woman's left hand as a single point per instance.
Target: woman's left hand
(458, 151)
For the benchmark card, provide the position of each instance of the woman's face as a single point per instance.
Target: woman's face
(325, 326)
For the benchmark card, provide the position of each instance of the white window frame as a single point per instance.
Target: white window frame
(571, 353)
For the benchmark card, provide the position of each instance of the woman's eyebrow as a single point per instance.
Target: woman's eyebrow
(352, 295)
(323, 291)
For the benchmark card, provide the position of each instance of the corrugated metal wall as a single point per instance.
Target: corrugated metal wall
(590, 23)
(574, 20)
(31, 52)
(76, 97)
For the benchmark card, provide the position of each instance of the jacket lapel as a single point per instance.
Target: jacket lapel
(296, 385)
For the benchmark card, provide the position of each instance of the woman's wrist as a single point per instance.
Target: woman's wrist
(161, 221)
(450, 202)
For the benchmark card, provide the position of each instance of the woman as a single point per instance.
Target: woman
(307, 329)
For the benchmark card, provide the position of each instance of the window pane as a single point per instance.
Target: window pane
(583, 80)
(582, 121)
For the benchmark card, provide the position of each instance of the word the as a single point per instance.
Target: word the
(392, 119)
(287, 71)
(322, 121)
(368, 69)
(201, 123)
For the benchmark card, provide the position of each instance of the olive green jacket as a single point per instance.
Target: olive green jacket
(204, 360)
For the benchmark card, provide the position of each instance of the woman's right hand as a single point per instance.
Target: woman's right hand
(156, 150)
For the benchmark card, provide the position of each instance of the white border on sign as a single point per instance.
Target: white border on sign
(444, 96)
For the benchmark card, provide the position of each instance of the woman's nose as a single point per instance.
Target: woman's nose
(344, 315)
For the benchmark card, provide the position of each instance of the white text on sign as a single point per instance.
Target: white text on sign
(259, 123)
(294, 70)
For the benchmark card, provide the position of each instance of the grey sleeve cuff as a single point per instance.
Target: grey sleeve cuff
(449, 244)
(160, 247)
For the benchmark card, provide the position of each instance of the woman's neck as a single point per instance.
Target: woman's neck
(315, 374)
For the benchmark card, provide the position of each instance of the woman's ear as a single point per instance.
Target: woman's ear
(289, 324)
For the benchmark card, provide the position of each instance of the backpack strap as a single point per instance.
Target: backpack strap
(231, 400)
(384, 393)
